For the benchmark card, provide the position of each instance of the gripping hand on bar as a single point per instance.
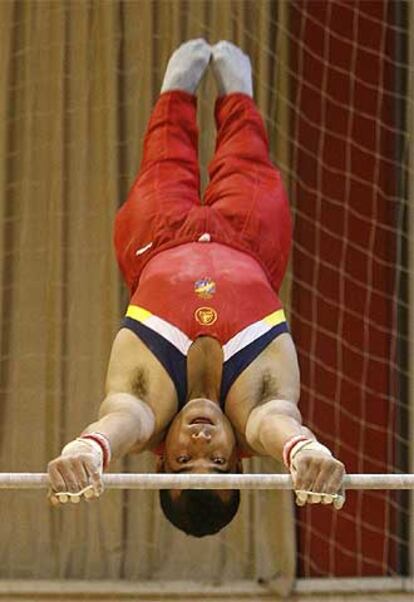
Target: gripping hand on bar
(317, 476)
(77, 473)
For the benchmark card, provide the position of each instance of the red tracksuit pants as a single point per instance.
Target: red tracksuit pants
(244, 206)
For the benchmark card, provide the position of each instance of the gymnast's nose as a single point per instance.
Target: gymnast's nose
(201, 435)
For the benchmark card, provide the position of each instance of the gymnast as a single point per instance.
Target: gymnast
(203, 370)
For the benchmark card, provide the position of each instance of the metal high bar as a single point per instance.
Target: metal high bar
(22, 480)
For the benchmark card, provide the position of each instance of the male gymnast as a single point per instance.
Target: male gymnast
(203, 370)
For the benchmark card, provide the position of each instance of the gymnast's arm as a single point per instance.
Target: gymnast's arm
(273, 426)
(126, 419)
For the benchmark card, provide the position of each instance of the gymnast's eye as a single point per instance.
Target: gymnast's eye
(219, 460)
(183, 459)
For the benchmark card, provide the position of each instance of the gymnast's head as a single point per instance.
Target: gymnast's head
(200, 440)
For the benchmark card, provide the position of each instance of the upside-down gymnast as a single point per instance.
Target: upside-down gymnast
(203, 371)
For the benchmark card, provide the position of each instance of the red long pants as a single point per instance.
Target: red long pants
(245, 204)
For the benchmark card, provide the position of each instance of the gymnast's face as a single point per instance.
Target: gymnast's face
(200, 440)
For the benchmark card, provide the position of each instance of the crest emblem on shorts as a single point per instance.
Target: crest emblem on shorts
(205, 288)
(205, 316)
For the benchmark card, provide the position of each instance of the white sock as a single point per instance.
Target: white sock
(232, 69)
(186, 66)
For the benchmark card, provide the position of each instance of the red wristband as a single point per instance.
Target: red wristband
(103, 443)
(287, 448)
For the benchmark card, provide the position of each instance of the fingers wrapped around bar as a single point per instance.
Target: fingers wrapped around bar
(77, 473)
(317, 475)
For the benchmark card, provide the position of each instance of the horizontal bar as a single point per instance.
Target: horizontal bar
(21, 480)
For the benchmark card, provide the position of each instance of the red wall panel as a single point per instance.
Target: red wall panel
(343, 264)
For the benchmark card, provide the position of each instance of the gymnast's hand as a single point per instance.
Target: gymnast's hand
(317, 475)
(77, 473)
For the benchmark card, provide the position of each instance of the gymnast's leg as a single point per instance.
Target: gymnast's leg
(167, 185)
(245, 186)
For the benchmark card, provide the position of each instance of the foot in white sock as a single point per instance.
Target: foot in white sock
(232, 69)
(186, 66)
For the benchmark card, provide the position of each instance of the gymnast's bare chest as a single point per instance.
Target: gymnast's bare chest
(204, 369)
(205, 372)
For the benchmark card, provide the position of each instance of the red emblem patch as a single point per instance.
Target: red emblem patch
(205, 315)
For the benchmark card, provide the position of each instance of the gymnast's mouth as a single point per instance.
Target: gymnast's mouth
(202, 420)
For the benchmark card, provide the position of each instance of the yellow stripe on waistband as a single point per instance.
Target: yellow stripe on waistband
(277, 317)
(138, 313)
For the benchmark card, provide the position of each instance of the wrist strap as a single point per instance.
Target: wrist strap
(289, 445)
(309, 445)
(103, 443)
(73, 448)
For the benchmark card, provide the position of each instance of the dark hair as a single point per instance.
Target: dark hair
(199, 512)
